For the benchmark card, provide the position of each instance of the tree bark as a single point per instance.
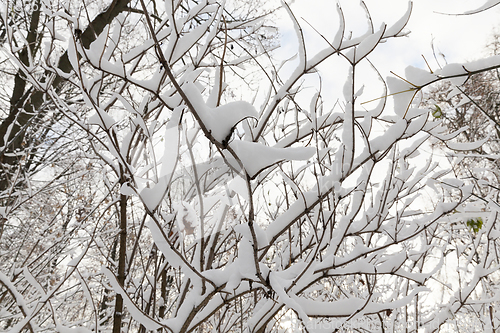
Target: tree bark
(122, 256)
(25, 103)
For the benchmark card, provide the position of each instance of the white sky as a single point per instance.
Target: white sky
(459, 38)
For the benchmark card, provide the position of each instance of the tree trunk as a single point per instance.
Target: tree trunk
(122, 255)
(25, 103)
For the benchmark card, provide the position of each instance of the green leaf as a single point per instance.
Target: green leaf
(437, 113)
(475, 224)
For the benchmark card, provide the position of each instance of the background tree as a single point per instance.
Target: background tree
(469, 110)
(172, 205)
(27, 108)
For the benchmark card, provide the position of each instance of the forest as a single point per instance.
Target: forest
(164, 169)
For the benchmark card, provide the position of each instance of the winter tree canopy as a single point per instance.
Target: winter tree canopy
(163, 172)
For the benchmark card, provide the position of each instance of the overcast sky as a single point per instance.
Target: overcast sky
(459, 38)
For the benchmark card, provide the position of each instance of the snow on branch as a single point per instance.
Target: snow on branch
(173, 176)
